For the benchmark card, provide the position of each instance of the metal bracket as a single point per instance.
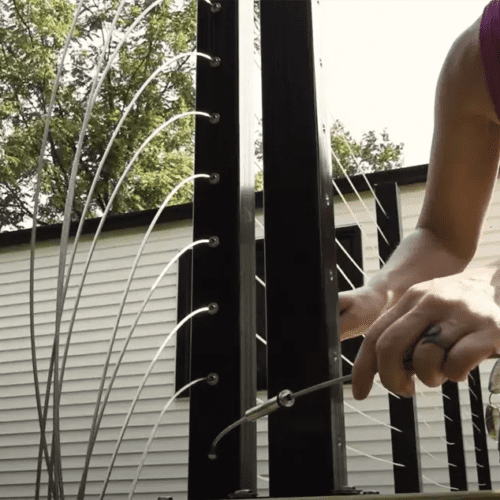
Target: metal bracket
(243, 494)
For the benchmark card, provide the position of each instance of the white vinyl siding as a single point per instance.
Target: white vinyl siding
(374, 439)
(166, 470)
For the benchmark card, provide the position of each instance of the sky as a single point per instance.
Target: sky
(383, 59)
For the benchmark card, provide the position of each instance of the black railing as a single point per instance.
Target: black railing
(307, 445)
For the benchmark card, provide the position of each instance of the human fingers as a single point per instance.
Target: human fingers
(431, 352)
(360, 308)
(346, 300)
(365, 366)
(395, 350)
(469, 352)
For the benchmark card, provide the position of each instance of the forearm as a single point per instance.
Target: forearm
(420, 257)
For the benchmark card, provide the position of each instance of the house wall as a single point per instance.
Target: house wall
(165, 472)
(371, 438)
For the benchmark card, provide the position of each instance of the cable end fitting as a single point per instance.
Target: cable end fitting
(215, 62)
(285, 399)
(214, 118)
(214, 178)
(213, 241)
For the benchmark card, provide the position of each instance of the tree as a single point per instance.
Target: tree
(365, 156)
(32, 34)
(355, 158)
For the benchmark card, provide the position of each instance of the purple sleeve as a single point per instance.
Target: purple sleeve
(489, 40)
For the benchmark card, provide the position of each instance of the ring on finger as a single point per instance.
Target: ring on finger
(433, 336)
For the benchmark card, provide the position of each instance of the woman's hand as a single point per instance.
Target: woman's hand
(359, 308)
(462, 305)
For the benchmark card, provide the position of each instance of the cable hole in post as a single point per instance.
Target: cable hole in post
(214, 178)
(215, 62)
(216, 7)
(214, 118)
(213, 242)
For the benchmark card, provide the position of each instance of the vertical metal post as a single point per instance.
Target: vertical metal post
(479, 430)
(403, 411)
(224, 343)
(454, 436)
(307, 442)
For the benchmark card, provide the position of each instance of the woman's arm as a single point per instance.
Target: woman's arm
(465, 149)
(462, 172)
(461, 309)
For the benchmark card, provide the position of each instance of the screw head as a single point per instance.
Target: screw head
(216, 7)
(213, 308)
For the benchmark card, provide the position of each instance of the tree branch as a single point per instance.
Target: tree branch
(23, 21)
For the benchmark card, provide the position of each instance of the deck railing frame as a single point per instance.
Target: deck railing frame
(224, 275)
(307, 449)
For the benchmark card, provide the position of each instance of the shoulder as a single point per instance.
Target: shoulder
(465, 75)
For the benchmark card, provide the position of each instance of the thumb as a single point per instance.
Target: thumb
(345, 301)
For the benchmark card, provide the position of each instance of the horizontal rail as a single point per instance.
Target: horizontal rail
(456, 495)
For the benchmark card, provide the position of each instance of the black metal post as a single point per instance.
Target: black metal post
(224, 343)
(454, 436)
(403, 411)
(479, 430)
(307, 442)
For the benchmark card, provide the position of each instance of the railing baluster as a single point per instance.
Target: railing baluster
(454, 436)
(403, 411)
(479, 430)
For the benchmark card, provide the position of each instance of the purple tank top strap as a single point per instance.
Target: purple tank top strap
(489, 41)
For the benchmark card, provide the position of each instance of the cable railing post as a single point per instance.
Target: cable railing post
(224, 272)
(403, 411)
(454, 436)
(479, 430)
(307, 455)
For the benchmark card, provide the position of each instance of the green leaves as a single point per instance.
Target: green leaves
(365, 156)
(32, 33)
